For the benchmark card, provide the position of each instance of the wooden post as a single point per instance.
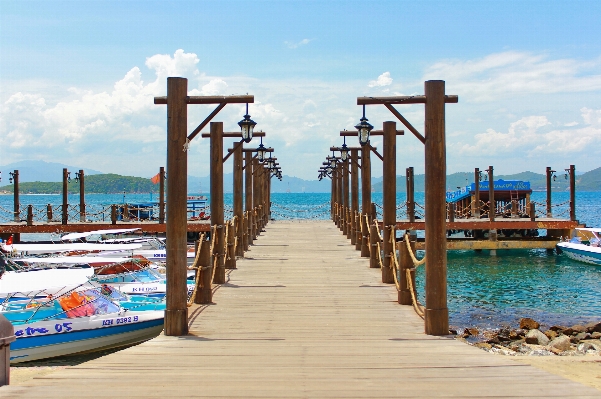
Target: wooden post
(256, 198)
(532, 211)
(162, 195)
(230, 261)
(405, 262)
(492, 207)
(125, 214)
(49, 213)
(549, 173)
(204, 293)
(365, 197)
(345, 194)
(410, 194)
(451, 212)
(333, 198)
(16, 206)
(113, 214)
(82, 197)
(65, 209)
(573, 192)
(436, 312)
(176, 312)
(238, 213)
(476, 212)
(373, 245)
(340, 168)
(244, 228)
(248, 197)
(389, 201)
(217, 198)
(30, 215)
(354, 152)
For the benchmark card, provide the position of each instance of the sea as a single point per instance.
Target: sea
(485, 290)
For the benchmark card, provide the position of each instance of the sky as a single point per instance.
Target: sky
(77, 79)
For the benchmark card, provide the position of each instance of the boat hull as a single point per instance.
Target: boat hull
(46, 339)
(581, 252)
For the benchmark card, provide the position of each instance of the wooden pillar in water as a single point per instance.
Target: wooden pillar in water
(176, 312)
(389, 201)
(238, 212)
(248, 197)
(16, 204)
(354, 194)
(216, 199)
(573, 192)
(476, 209)
(410, 194)
(82, 196)
(549, 173)
(436, 312)
(65, 216)
(162, 195)
(491, 195)
(365, 197)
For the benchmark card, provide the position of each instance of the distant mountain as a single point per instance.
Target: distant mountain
(101, 184)
(42, 171)
(588, 181)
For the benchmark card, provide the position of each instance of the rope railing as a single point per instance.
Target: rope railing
(419, 308)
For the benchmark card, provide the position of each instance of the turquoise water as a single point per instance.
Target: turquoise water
(483, 290)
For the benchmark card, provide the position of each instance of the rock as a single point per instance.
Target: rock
(551, 334)
(593, 327)
(596, 335)
(493, 340)
(534, 336)
(579, 328)
(559, 329)
(585, 347)
(541, 352)
(452, 331)
(574, 340)
(529, 324)
(561, 343)
(583, 335)
(483, 345)
(568, 331)
(471, 331)
(516, 334)
(515, 345)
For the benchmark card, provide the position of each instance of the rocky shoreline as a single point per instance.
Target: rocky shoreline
(529, 340)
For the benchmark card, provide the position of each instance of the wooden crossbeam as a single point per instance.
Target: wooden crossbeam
(211, 99)
(402, 100)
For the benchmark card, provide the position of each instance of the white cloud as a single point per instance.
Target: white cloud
(383, 80)
(533, 136)
(514, 73)
(293, 45)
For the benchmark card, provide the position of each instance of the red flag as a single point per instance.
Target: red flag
(156, 178)
(10, 240)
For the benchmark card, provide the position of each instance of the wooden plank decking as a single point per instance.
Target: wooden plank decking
(302, 317)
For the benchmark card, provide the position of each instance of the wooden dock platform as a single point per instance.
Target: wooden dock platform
(303, 316)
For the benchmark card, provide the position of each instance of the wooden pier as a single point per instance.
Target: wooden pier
(302, 316)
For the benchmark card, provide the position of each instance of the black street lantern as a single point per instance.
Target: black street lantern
(344, 151)
(261, 151)
(247, 125)
(364, 128)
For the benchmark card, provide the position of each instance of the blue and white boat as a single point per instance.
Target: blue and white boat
(584, 246)
(82, 319)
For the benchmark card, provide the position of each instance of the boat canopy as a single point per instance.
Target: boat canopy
(40, 280)
(75, 236)
(76, 246)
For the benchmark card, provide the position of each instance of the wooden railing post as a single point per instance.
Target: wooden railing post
(532, 211)
(113, 214)
(30, 215)
(16, 204)
(162, 195)
(125, 214)
(49, 213)
(82, 196)
(65, 216)
(204, 293)
(230, 261)
(405, 263)
(216, 144)
(373, 245)
(572, 193)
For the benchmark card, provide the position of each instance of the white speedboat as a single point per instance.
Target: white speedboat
(584, 246)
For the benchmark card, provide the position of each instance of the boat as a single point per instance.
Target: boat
(83, 319)
(584, 246)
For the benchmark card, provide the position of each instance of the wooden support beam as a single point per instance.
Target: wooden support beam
(403, 100)
(65, 216)
(365, 198)
(406, 123)
(82, 196)
(162, 195)
(176, 312)
(248, 197)
(217, 200)
(209, 99)
(238, 212)
(354, 153)
(389, 201)
(436, 312)
(16, 204)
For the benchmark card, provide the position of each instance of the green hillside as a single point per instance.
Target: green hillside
(589, 181)
(100, 184)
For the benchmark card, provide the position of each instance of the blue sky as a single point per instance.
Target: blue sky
(77, 78)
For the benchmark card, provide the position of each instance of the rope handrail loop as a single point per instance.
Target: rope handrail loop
(195, 265)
